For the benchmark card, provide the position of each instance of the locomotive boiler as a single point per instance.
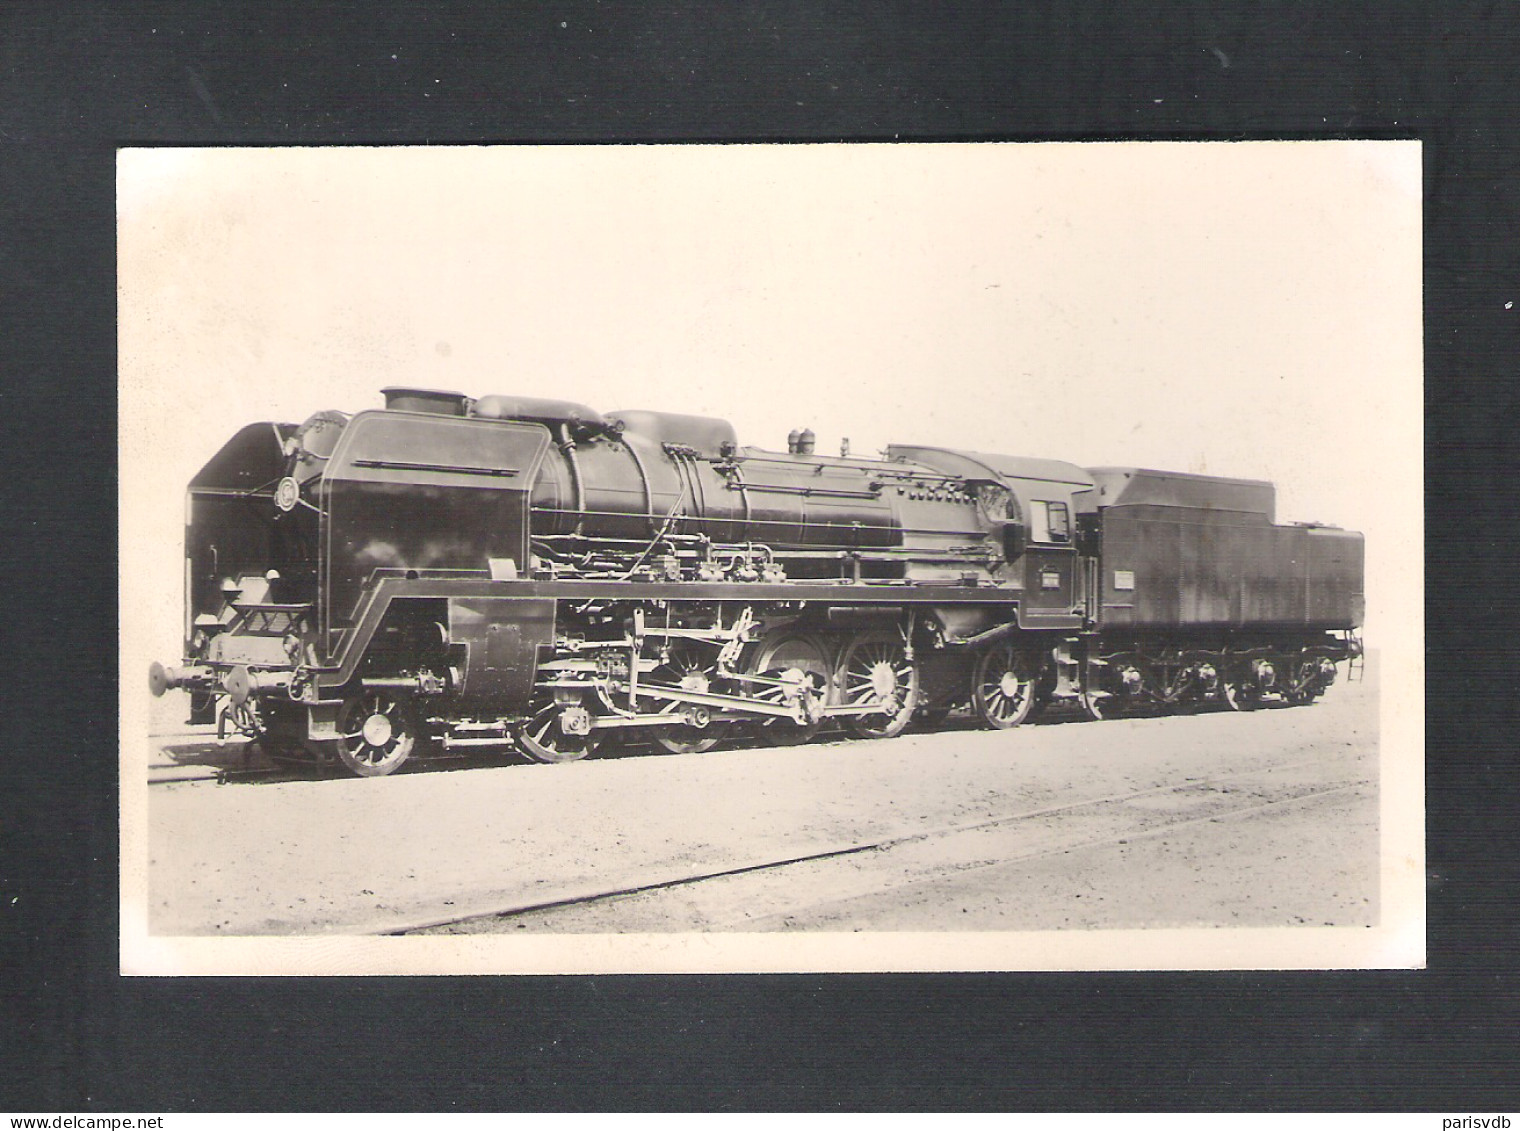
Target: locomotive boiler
(450, 573)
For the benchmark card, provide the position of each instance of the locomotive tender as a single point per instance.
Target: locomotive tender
(449, 573)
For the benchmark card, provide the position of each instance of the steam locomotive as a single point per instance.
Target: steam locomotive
(449, 573)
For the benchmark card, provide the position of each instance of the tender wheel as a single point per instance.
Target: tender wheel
(1312, 688)
(544, 737)
(1184, 707)
(877, 672)
(687, 671)
(377, 734)
(282, 737)
(1098, 704)
(803, 661)
(1003, 688)
(1240, 697)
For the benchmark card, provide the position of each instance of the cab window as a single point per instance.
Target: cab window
(1049, 522)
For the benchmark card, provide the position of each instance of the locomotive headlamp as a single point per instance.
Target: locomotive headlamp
(206, 627)
(287, 494)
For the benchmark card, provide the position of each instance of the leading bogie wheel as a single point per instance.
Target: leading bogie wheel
(876, 672)
(278, 749)
(377, 732)
(1003, 688)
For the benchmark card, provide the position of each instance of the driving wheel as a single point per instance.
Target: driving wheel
(685, 669)
(546, 737)
(876, 672)
(802, 663)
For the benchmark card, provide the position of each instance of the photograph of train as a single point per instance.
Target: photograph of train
(438, 645)
(449, 573)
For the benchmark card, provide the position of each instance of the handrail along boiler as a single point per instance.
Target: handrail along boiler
(447, 573)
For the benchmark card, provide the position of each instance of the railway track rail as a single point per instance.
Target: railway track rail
(929, 854)
(230, 762)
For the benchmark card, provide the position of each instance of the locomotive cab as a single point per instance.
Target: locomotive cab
(1030, 506)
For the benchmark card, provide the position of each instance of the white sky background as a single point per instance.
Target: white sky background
(1245, 309)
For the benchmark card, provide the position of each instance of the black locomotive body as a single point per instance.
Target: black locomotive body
(449, 573)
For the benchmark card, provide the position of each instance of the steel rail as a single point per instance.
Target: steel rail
(889, 842)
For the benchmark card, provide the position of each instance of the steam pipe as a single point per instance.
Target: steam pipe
(567, 445)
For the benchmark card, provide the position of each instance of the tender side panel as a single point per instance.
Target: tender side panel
(1176, 567)
(1335, 573)
(1173, 567)
(432, 494)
